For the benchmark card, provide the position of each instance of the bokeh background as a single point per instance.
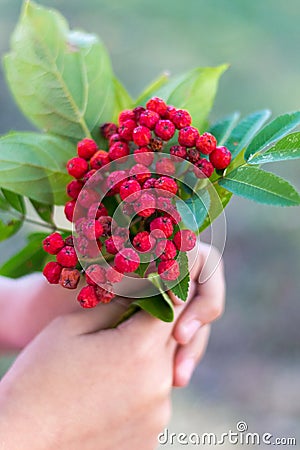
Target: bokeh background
(252, 369)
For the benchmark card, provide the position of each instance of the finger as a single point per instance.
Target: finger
(187, 357)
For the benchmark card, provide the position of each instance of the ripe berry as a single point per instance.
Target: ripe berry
(106, 222)
(115, 179)
(53, 243)
(108, 129)
(97, 210)
(143, 155)
(149, 119)
(69, 209)
(178, 152)
(69, 278)
(203, 168)
(130, 190)
(95, 275)
(170, 110)
(180, 118)
(82, 245)
(126, 129)
(97, 176)
(122, 232)
(143, 242)
(187, 136)
(86, 148)
(220, 158)
(87, 297)
(194, 155)
(105, 294)
(127, 260)
(128, 209)
(164, 129)
(118, 150)
(163, 224)
(77, 167)
(206, 143)
(73, 188)
(113, 275)
(174, 215)
(69, 241)
(140, 173)
(165, 250)
(168, 270)
(167, 186)
(150, 183)
(92, 229)
(157, 105)
(156, 144)
(67, 256)
(144, 206)
(127, 114)
(185, 240)
(114, 244)
(137, 112)
(52, 271)
(87, 197)
(141, 136)
(114, 138)
(165, 167)
(100, 159)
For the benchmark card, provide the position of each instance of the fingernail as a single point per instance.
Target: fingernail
(185, 370)
(189, 329)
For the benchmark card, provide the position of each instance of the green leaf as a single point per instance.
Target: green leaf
(157, 307)
(122, 99)
(34, 164)
(260, 186)
(141, 270)
(242, 134)
(9, 228)
(30, 259)
(222, 129)
(275, 130)
(150, 90)
(219, 198)
(286, 149)
(15, 200)
(45, 212)
(194, 210)
(62, 80)
(194, 91)
(181, 288)
(4, 205)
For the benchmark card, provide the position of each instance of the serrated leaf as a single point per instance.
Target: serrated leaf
(194, 210)
(242, 134)
(45, 212)
(276, 129)
(219, 198)
(286, 149)
(30, 259)
(122, 99)
(15, 201)
(33, 165)
(9, 228)
(260, 186)
(62, 80)
(181, 288)
(222, 128)
(150, 90)
(194, 91)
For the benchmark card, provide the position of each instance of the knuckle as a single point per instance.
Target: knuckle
(217, 310)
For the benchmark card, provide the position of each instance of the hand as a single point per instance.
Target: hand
(80, 388)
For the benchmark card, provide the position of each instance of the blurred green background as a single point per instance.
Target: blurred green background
(251, 371)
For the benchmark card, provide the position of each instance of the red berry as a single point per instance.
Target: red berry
(143, 155)
(137, 112)
(77, 167)
(82, 245)
(86, 148)
(178, 152)
(126, 129)
(130, 190)
(170, 109)
(187, 136)
(122, 232)
(220, 158)
(165, 167)
(115, 180)
(140, 173)
(118, 150)
(69, 278)
(52, 271)
(114, 138)
(165, 250)
(164, 204)
(73, 188)
(87, 197)
(106, 224)
(87, 297)
(69, 209)
(193, 155)
(164, 129)
(143, 242)
(185, 240)
(127, 260)
(174, 215)
(203, 168)
(108, 129)
(113, 276)
(149, 119)
(156, 144)
(92, 229)
(114, 244)
(100, 159)
(181, 118)
(97, 210)
(105, 294)
(69, 241)
(206, 143)
(53, 243)
(67, 256)
(144, 206)
(95, 275)
(167, 186)
(128, 209)
(91, 173)
(150, 183)
(127, 114)
(168, 270)
(141, 136)
(163, 224)
(157, 105)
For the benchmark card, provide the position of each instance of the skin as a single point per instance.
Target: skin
(62, 355)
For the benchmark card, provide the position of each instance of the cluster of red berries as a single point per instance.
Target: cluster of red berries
(146, 191)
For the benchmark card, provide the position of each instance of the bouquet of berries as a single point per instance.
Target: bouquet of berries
(139, 180)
